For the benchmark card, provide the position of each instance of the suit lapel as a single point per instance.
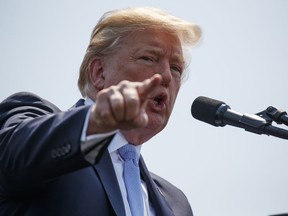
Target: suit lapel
(155, 196)
(80, 102)
(105, 169)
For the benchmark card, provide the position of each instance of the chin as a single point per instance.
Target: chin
(141, 135)
(157, 122)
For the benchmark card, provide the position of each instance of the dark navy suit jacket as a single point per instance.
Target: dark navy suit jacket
(43, 171)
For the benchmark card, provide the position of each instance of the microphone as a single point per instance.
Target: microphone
(217, 113)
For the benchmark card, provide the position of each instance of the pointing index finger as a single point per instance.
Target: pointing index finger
(149, 85)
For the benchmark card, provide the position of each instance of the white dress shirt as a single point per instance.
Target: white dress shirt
(117, 142)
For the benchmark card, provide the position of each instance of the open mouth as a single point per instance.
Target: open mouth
(159, 101)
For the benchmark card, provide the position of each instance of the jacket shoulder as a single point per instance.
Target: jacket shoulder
(26, 98)
(25, 103)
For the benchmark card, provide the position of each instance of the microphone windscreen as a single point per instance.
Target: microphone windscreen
(205, 109)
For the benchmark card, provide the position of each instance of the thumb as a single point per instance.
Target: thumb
(141, 120)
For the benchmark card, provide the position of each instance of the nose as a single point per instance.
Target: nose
(165, 72)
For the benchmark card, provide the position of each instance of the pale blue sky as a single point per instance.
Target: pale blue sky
(241, 60)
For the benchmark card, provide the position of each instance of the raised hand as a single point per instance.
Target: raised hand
(122, 106)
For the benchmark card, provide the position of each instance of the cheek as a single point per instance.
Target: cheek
(115, 74)
(174, 92)
(110, 80)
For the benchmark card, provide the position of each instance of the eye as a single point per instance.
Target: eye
(176, 68)
(147, 58)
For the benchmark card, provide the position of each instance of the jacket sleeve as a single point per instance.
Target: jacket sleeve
(38, 142)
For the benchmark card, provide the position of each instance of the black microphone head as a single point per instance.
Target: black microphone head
(206, 109)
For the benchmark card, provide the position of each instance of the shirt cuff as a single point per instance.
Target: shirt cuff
(90, 144)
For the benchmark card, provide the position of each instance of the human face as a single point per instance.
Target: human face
(141, 55)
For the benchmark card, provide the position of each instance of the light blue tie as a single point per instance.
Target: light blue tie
(132, 179)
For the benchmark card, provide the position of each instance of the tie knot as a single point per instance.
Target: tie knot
(128, 152)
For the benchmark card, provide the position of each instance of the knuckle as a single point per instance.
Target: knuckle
(124, 83)
(116, 102)
(104, 114)
(132, 101)
(116, 98)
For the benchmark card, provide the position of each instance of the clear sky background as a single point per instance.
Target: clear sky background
(242, 60)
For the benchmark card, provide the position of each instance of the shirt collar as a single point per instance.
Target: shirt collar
(118, 141)
(88, 101)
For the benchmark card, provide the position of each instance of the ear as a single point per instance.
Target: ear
(96, 73)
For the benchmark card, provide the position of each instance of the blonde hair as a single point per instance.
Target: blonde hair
(116, 24)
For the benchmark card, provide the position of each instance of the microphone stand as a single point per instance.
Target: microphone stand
(279, 116)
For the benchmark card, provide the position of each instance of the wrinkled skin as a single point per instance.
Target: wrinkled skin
(138, 85)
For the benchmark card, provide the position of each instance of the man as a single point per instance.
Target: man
(70, 163)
